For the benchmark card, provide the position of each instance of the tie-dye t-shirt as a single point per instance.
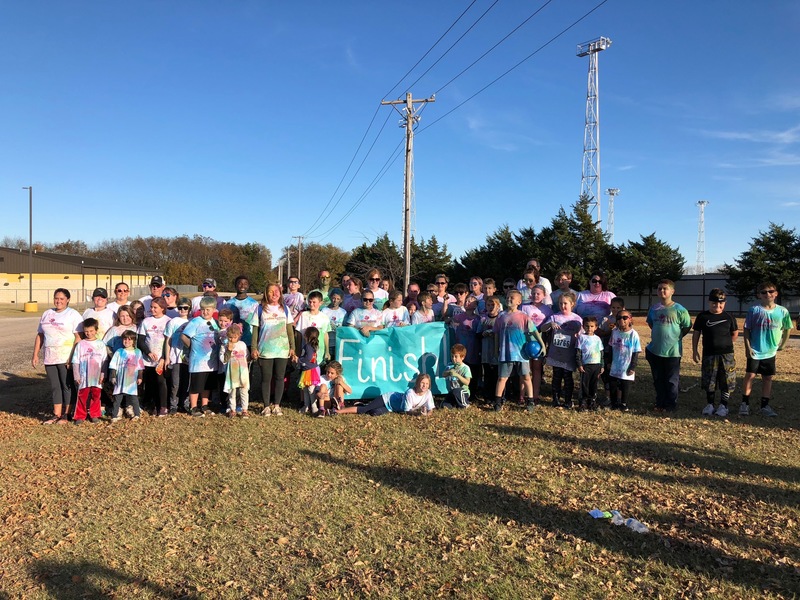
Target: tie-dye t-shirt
(537, 313)
(667, 324)
(127, 362)
(172, 332)
(295, 302)
(273, 340)
(511, 332)
(105, 320)
(594, 305)
(245, 312)
(203, 351)
(488, 345)
(152, 328)
(336, 316)
(237, 370)
(88, 362)
(395, 317)
(766, 329)
(59, 330)
(591, 347)
(421, 317)
(624, 344)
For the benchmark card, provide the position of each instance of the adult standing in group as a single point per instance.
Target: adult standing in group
(171, 295)
(245, 308)
(273, 346)
(324, 288)
(122, 292)
(544, 281)
(374, 285)
(669, 322)
(412, 293)
(596, 301)
(57, 334)
(352, 297)
(156, 289)
(441, 281)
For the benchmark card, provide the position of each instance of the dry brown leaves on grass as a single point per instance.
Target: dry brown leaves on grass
(467, 504)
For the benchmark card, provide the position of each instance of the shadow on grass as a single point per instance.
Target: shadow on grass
(681, 455)
(25, 395)
(86, 579)
(493, 501)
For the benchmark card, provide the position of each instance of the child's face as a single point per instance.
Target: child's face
(207, 312)
(100, 302)
(385, 285)
(331, 374)
(461, 297)
(127, 342)
(156, 309)
(563, 283)
(427, 303)
(472, 304)
(396, 302)
(513, 301)
(125, 318)
(336, 300)
(590, 327)
(423, 384)
(767, 295)
(715, 307)
(565, 305)
(90, 333)
(538, 295)
(665, 292)
(224, 322)
(490, 289)
(457, 359)
(412, 308)
(314, 304)
(493, 308)
(624, 321)
(616, 307)
(234, 336)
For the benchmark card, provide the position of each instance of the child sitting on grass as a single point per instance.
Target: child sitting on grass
(459, 376)
(412, 401)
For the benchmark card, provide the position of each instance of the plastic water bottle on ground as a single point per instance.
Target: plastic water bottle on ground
(637, 526)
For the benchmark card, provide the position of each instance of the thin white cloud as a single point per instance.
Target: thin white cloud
(352, 59)
(785, 102)
(764, 136)
(626, 167)
(790, 204)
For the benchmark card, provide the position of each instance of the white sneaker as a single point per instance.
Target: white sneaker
(768, 411)
(708, 410)
(129, 412)
(722, 411)
(744, 410)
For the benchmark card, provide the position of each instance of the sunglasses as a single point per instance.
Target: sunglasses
(208, 285)
(441, 283)
(156, 286)
(122, 291)
(624, 317)
(530, 281)
(368, 299)
(183, 308)
(596, 281)
(293, 282)
(167, 295)
(374, 278)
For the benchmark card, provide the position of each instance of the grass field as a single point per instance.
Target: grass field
(470, 504)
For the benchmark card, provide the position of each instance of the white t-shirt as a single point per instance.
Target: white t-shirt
(420, 317)
(105, 319)
(59, 329)
(396, 317)
(381, 296)
(114, 306)
(153, 329)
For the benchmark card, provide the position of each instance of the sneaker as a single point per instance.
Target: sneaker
(78, 422)
(244, 415)
(196, 412)
(744, 410)
(230, 414)
(569, 405)
(266, 412)
(531, 406)
(557, 404)
(767, 411)
(276, 410)
(207, 411)
(163, 412)
(623, 407)
(498, 405)
(722, 411)
(129, 412)
(115, 419)
(94, 420)
(708, 410)
(583, 406)
(173, 411)
(135, 418)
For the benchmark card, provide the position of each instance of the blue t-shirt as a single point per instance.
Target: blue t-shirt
(766, 329)
(203, 351)
(667, 324)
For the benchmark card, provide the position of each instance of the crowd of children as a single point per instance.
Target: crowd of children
(168, 353)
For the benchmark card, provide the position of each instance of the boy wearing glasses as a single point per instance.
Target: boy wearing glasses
(719, 331)
(668, 322)
(367, 318)
(766, 330)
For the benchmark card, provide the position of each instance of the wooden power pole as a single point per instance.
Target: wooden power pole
(410, 117)
(299, 255)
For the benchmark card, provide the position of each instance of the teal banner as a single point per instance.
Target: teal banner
(390, 359)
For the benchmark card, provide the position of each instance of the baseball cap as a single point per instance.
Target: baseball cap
(157, 280)
(100, 292)
(210, 281)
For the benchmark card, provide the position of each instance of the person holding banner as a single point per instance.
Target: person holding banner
(368, 318)
(419, 399)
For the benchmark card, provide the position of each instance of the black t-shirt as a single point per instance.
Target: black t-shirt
(717, 331)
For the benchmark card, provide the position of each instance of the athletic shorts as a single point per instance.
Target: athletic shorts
(764, 367)
(718, 369)
(507, 369)
(205, 380)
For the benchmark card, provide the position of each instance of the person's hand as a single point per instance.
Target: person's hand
(77, 383)
(327, 356)
(630, 372)
(696, 356)
(113, 381)
(581, 369)
(35, 360)
(153, 356)
(139, 381)
(254, 354)
(365, 331)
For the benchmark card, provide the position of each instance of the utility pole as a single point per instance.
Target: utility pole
(590, 176)
(410, 117)
(700, 267)
(299, 254)
(30, 246)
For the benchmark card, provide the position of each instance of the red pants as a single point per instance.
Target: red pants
(90, 397)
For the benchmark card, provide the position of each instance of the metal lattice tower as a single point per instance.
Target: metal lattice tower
(701, 239)
(612, 194)
(590, 176)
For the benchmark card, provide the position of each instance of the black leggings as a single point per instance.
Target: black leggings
(155, 387)
(623, 385)
(569, 383)
(272, 368)
(376, 408)
(61, 383)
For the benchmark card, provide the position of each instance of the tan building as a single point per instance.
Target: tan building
(79, 274)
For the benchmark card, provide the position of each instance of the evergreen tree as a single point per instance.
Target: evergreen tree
(645, 263)
(428, 259)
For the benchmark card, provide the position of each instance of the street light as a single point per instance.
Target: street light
(31, 305)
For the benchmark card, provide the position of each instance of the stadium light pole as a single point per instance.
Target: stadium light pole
(30, 242)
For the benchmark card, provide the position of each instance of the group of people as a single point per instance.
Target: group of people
(168, 352)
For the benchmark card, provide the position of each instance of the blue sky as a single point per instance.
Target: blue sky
(237, 120)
